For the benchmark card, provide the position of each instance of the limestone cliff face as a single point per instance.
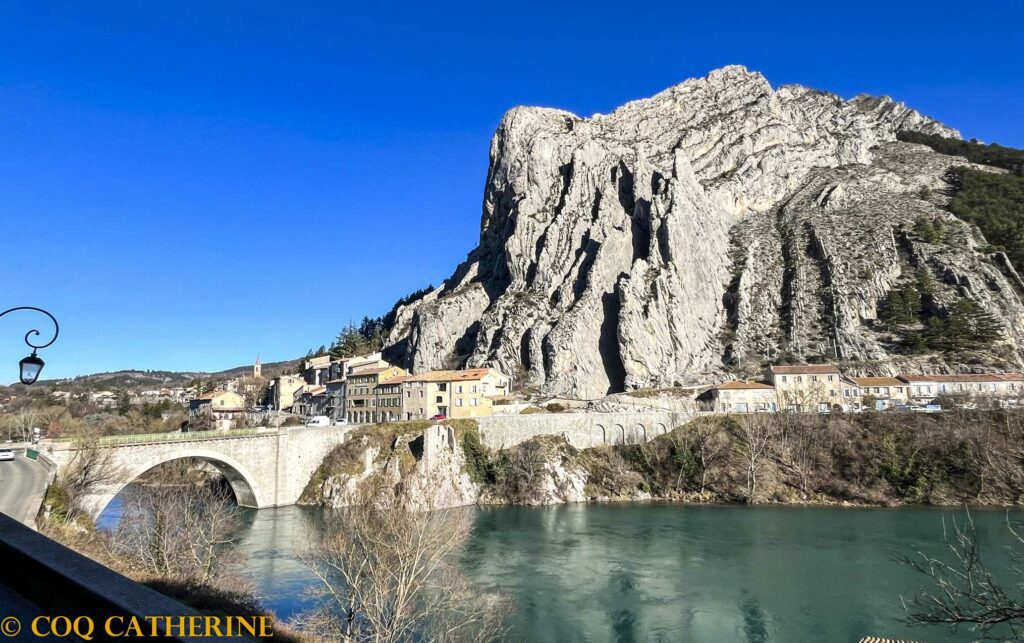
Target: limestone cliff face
(657, 244)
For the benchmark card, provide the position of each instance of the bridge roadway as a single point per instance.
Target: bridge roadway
(22, 485)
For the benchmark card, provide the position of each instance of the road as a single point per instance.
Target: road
(22, 483)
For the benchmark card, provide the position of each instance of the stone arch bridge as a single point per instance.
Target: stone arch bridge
(271, 467)
(265, 467)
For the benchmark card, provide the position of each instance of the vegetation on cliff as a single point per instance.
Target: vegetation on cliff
(871, 458)
(993, 202)
(885, 458)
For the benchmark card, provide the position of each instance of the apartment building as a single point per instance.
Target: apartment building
(454, 394)
(806, 387)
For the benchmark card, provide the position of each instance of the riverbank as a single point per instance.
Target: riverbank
(870, 459)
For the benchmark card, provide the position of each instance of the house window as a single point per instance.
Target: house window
(421, 393)
(443, 386)
(783, 378)
(458, 402)
(473, 388)
(458, 389)
(474, 402)
(814, 378)
(830, 378)
(439, 399)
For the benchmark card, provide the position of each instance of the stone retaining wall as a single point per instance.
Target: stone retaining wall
(582, 430)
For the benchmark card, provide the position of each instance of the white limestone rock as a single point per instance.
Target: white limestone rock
(656, 245)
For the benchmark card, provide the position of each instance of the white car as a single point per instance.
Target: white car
(6, 454)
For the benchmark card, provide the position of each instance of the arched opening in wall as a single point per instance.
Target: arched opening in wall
(638, 434)
(186, 484)
(659, 429)
(619, 434)
(598, 436)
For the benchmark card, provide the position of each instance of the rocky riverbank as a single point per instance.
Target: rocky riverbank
(880, 459)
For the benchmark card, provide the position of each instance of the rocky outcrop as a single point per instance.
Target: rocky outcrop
(661, 243)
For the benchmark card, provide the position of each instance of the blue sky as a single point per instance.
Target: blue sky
(188, 185)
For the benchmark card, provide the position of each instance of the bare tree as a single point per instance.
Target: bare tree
(799, 449)
(90, 469)
(710, 446)
(21, 422)
(963, 591)
(178, 531)
(520, 472)
(752, 437)
(389, 574)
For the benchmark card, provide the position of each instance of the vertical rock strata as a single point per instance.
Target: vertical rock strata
(680, 233)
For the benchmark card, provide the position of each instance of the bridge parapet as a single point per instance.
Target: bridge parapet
(265, 467)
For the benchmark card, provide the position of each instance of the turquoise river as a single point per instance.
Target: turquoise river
(667, 572)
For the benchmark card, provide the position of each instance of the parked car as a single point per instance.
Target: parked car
(439, 417)
(927, 408)
(6, 454)
(318, 420)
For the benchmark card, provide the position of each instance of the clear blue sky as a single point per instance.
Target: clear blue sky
(186, 186)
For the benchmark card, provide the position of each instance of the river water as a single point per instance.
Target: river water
(667, 572)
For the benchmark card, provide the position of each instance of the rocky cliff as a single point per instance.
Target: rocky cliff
(718, 223)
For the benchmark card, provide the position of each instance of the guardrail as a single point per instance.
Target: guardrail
(176, 436)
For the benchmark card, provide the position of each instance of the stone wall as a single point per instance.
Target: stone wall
(582, 430)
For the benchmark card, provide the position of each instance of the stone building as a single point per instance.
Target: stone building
(454, 394)
(282, 391)
(743, 397)
(226, 409)
(806, 387)
(882, 392)
(925, 388)
(362, 395)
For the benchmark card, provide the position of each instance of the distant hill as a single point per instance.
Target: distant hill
(137, 379)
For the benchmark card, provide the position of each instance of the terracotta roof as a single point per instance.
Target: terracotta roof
(469, 374)
(805, 369)
(736, 385)
(965, 377)
(917, 378)
(211, 395)
(368, 371)
(878, 381)
(315, 390)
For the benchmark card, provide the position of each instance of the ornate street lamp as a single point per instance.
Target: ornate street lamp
(32, 365)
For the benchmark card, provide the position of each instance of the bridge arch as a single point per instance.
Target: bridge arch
(598, 436)
(618, 434)
(243, 482)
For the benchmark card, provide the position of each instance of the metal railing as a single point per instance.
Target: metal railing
(176, 436)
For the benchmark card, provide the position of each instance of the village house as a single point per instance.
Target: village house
(881, 392)
(316, 370)
(361, 392)
(312, 401)
(807, 387)
(282, 391)
(742, 397)
(336, 382)
(925, 388)
(226, 409)
(453, 394)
